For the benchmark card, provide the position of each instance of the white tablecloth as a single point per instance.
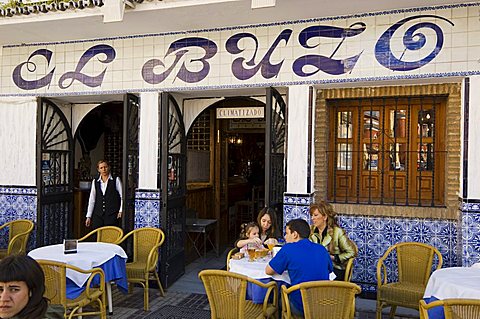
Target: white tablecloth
(255, 269)
(455, 282)
(89, 255)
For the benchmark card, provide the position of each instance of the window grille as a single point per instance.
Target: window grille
(387, 151)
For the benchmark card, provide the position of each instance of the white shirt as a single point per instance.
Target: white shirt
(103, 187)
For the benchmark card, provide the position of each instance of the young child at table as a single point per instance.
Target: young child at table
(249, 237)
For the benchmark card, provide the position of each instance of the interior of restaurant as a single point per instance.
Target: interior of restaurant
(225, 166)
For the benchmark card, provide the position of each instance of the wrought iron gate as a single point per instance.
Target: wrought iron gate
(54, 175)
(130, 158)
(172, 176)
(275, 178)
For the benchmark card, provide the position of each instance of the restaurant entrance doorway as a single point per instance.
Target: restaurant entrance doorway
(236, 165)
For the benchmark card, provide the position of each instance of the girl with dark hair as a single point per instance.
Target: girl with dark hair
(267, 220)
(22, 285)
(249, 237)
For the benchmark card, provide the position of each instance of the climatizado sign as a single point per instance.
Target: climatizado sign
(415, 43)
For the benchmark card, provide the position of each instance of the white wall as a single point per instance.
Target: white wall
(192, 108)
(473, 140)
(18, 123)
(148, 135)
(297, 149)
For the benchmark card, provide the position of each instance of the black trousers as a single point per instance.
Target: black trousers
(340, 273)
(105, 220)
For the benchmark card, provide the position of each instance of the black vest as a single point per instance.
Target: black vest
(109, 203)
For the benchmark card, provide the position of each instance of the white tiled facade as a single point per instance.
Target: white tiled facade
(444, 46)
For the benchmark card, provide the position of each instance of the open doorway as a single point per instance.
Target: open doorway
(99, 136)
(226, 168)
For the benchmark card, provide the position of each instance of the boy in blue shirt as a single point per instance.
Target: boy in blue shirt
(304, 260)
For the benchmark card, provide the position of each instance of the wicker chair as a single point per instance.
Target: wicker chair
(56, 291)
(453, 308)
(226, 292)
(415, 262)
(323, 299)
(349, 270)
(18, 234)
(143, 267)
(232, 252)
(106, 234)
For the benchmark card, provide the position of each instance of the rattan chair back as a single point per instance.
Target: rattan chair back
(18, 233)
(349, 270)
(323, 299)
(453, 308)
(106, 234)
(144, 239)
(146, 242)
(232, 252)
(226, 292)
(56, 291)
(415, 262)
(406, 285)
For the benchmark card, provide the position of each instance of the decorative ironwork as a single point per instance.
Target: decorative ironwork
(173, 187)
(199, 134)
(55, 167)
(275, 143)
(131, 124)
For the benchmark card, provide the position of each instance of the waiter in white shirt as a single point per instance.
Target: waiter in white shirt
(105, 202)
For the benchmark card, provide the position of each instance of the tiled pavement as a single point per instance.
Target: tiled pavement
(131, 306)
(188, 292)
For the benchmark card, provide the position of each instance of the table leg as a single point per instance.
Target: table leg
(109, 297)
(205, 245)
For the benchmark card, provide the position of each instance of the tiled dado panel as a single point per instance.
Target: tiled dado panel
(373, 235)
(296, 206)
(470, 234)
(147, 208)
(17, 203)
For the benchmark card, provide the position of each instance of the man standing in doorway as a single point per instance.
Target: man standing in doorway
(105, 202)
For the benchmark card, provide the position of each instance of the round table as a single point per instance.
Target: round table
(448, 283)
(454, 282)
(255, 269)
(110, 258)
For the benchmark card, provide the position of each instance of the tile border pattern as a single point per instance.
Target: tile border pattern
(147, 208)
(17, 202)
(470, 236)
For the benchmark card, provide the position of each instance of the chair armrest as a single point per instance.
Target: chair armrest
(285, 301)
(381, 270)
(152, 253)
(18, 238)
(86, 236)
(4, 225)
(93, 273)
(271, 286)
(125, 237)
(424, 307)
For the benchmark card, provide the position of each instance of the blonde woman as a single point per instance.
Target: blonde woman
(325, 231)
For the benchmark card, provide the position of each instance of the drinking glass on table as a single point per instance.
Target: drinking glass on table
(251, 252)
